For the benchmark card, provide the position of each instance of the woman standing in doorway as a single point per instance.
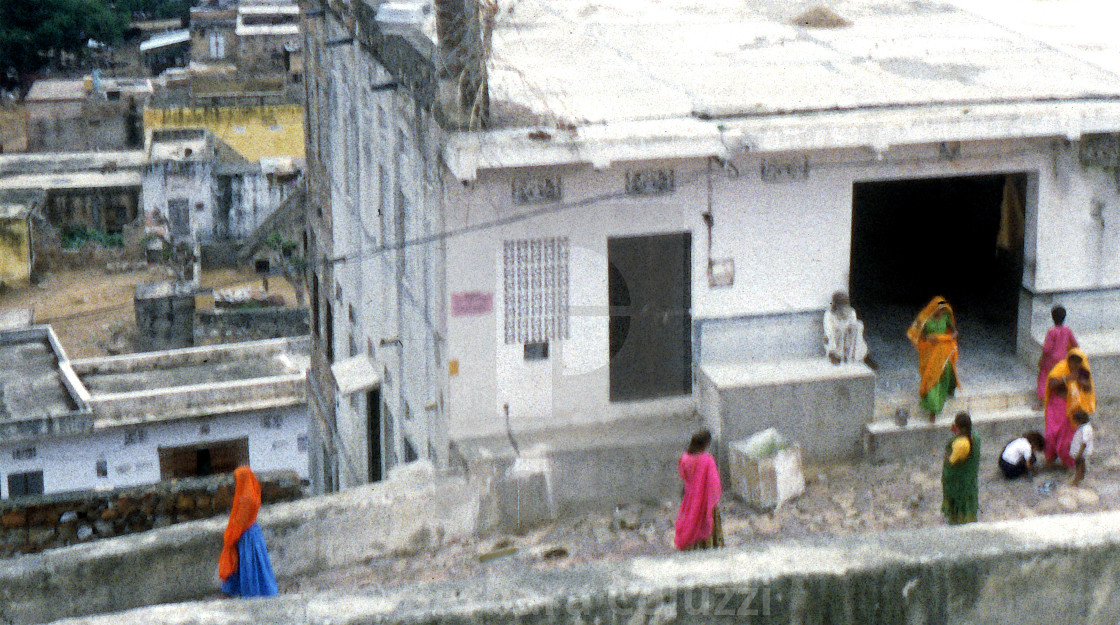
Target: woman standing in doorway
(698, 523)
(960, 490)
(244, 565)
(934, 335)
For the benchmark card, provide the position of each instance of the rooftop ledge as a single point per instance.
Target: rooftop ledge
(874, 128)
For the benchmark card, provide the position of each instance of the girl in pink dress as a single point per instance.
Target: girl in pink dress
(698, 525)
(1059, 340)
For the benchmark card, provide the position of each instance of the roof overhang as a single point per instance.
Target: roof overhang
(355, 374)
(875, 128)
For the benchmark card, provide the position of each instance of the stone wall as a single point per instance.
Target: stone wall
(32, 524)
(1039, 571)
(412, 511)
(226, 326)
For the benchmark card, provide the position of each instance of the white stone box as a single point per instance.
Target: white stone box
(766, 470)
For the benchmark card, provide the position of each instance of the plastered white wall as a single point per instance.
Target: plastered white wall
(70, 464)
(790, 242)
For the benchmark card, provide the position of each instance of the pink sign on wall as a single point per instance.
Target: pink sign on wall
(470, 304)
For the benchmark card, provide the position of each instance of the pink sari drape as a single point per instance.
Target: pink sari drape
(1059, 340)
(702, 490)
(1059, 431)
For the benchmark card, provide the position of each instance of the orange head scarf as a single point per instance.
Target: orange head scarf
(934, 305)
(246, 504)
(1077, 398)
(934, 352)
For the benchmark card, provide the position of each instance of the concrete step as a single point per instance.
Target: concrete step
(886, 441)
(973, 403)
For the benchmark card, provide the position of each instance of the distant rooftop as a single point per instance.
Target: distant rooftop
(56, 90)
(73, 180)
(162, 40)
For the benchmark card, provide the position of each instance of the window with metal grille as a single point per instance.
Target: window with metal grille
(536, 290)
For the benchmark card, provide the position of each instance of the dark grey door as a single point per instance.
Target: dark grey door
(651, 325)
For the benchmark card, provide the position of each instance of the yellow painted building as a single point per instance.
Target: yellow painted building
(255, 132)
(15, 245)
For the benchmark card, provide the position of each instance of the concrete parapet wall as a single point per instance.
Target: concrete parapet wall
(1040, 571)
(202, 399)
(189, 356)
(413, 511)
(246, 325)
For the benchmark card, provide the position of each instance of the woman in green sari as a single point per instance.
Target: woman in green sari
(960, 492)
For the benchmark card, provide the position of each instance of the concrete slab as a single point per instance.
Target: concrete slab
(821, 406)
(885, 441)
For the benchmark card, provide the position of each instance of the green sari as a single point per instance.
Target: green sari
(960, 490)
(935, 399)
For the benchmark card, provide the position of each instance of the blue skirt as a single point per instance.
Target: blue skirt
(253, 577)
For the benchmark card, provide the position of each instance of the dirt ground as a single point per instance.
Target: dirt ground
(839, 499)
(91, 309)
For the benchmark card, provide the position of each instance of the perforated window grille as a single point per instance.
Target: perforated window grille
(536, 290)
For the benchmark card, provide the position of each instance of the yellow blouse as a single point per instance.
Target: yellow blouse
(961, 448)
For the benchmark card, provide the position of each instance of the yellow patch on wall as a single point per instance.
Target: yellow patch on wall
(256, 132)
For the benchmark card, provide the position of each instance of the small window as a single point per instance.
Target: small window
(301, 444)
(273, 422)
(135, 436)
(102, 468)
(22, 484)
(261, 265)
(536, 351)
(204, 429)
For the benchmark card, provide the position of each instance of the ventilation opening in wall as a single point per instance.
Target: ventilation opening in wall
(261, 265)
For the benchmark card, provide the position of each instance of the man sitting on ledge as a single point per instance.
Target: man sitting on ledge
(843, 332)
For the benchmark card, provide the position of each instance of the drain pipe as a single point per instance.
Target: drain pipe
(509, 433)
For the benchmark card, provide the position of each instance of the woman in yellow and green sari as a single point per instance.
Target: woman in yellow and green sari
(960, 486)
(934, 335)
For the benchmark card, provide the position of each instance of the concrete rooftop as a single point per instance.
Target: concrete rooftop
(31, 380)
(56, 90)
(598, 61)
(621, 81)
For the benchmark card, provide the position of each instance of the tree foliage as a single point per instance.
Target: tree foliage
(32, 30)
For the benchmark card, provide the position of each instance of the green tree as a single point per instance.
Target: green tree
(33, 31)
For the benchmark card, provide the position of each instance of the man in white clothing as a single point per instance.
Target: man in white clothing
(843, 332)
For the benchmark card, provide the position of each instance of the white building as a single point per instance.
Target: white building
(136, 419)
(617, 196)
(197, 189)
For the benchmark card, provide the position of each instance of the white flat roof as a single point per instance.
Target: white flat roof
(82, 180)
(56, 89)
(163, 40)
(678, 78)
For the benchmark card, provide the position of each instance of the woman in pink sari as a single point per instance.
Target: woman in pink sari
(698, 524)
(1059, 340)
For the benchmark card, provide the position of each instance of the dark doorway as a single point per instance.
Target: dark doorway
(649, 289)
(913, 239)
(960, 237)
(203, 459)
(373, 433)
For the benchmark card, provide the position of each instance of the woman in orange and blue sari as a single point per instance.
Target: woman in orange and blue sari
(244, 565)
(934, 335)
